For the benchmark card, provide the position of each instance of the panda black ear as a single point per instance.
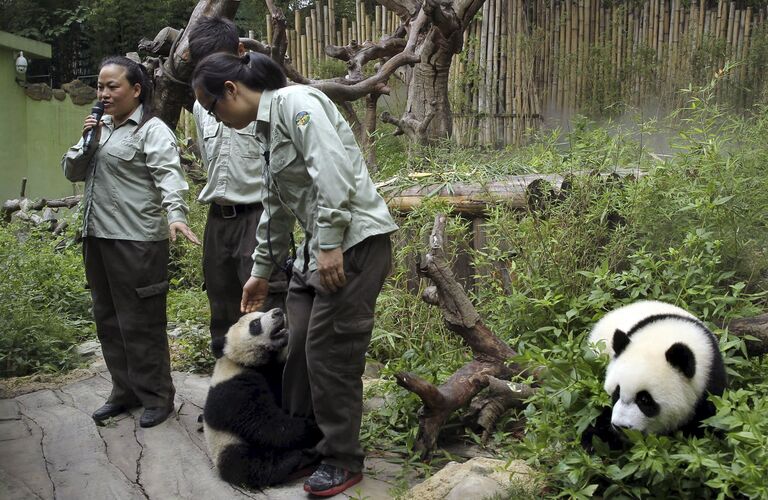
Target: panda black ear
(620, 342)
(217, 346)
(682, 358)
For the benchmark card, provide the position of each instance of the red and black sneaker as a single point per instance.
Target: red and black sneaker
(329, 480)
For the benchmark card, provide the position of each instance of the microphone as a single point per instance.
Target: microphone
(96, 111)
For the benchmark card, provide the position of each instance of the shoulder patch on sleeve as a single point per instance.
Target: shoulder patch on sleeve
(302, 118)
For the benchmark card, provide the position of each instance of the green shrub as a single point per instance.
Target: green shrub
(690, 230)
(45, 309)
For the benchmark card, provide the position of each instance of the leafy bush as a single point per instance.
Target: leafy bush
(689, 230)
(45, 309)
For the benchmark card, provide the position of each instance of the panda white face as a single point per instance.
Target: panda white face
(658, 374)
(648, 397)
(256, 338)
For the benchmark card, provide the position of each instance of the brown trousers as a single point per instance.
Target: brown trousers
(329, 336)
(129, 288)
(228, 245)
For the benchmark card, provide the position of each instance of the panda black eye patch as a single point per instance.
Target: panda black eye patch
(255, 327)
(616, 394)
(647, 404)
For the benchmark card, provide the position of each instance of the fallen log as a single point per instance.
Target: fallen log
(471, 198)
(755, 327)
(19, 204)
(491, 354)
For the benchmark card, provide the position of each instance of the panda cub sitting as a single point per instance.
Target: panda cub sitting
(250, 439)
(663, 364)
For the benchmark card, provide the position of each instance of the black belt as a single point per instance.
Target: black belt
(231, 211)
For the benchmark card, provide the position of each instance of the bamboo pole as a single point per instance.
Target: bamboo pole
(502, 91)
(335, 39)
(327, 34)
(310, 52)
(304, 58)
(490, 58)
(358, 20)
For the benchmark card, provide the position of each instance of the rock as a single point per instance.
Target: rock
(39, 91)
(373, 369)
(477, 478)
(89, 348)
(475, 487)
(80, 93)
(59, 94)
(49, 215)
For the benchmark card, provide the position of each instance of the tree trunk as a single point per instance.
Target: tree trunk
(428, 93)
(172, 90)
(491, 354)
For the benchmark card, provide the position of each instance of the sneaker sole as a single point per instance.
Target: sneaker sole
(336, 489)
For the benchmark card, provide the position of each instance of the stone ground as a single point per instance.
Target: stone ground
(50, 448)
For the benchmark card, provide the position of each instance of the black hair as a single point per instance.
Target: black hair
(210, 35)
(135, 73)
(256, 71)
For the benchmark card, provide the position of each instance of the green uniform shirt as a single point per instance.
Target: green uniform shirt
(233, 159)
(316, 175)
(129, 180)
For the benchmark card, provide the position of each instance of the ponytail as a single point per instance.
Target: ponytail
(254, 70)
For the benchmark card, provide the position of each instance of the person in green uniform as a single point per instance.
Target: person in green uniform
(233, 191)
(315, 175)
(133, 183)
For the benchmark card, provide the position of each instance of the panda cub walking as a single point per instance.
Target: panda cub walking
(251, 440)
(663, 364)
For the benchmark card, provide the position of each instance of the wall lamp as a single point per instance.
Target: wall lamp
(21, 64)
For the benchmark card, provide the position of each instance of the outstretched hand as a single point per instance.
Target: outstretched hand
(183, 229)
(254, 294)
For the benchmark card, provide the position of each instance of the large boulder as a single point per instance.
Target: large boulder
(477, 478)
(80, 93)
(39, 91)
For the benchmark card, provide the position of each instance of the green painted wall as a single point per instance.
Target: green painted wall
(52, 128)
(13, 128)
(33, 137)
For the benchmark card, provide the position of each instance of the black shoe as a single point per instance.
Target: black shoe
(329, 480)
(108, 410)
(154, 416)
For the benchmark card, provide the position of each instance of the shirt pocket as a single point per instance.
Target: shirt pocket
(211, 140)
(123, 152)
(247, 145)
(123, 158)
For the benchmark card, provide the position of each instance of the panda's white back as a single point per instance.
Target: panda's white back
(625, 317)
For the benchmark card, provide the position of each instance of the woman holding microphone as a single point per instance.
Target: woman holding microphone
(133, 184)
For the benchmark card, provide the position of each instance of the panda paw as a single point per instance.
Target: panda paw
(605, 433)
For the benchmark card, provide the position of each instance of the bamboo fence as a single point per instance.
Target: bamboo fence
(524, 56)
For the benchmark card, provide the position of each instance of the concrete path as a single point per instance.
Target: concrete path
(50, 448)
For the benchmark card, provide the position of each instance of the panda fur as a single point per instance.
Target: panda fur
(663, 364)
(250, 439)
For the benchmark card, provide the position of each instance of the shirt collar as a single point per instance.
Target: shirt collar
(262, 116)
(265, 104)
(135, 117)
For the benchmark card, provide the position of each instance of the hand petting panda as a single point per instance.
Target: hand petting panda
(250, 439)
(663, 364)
